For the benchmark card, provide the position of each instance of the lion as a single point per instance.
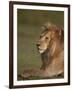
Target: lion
(51, 48)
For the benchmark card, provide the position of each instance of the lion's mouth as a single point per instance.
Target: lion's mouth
(41, 50)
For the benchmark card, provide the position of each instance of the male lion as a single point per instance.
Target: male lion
(51, 47)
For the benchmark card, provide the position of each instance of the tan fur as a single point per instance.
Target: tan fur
(51, 47)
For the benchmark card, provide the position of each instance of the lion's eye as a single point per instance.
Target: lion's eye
(46, 37)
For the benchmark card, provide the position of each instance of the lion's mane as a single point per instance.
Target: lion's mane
(53, 56)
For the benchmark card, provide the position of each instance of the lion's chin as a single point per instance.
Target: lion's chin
(41, 51)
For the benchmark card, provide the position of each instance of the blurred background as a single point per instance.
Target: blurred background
(29, 28)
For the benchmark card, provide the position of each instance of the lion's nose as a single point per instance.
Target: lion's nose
(38, 44)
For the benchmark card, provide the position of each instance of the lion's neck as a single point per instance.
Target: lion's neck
(45, 60)
(44, 56)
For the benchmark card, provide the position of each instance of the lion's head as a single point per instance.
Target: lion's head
(51, 34)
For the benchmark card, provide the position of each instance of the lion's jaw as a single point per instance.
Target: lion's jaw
(41, 51)
(42, 48)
